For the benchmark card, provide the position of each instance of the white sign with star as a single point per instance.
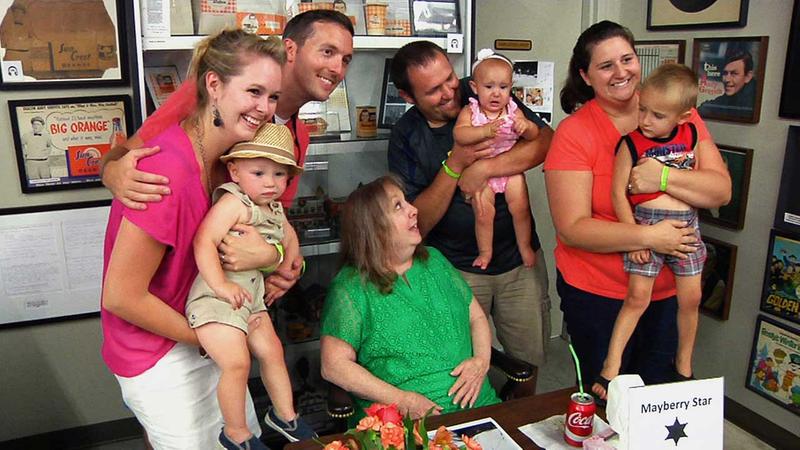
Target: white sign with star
(686, 415)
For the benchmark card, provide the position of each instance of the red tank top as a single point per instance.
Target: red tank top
(675, 150)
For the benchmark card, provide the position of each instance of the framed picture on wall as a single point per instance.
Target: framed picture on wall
(435, 18)
(62, 44)
(655, 53)
(781, 291)
(392, 105)
(161, 82)
(59, 142)
(717, 278)
(739, 162)
(774, 358)
(688, 14)
(790, 93)
(731, 77)
(787, 213)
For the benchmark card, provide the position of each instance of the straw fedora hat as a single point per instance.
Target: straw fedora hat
(271, 141)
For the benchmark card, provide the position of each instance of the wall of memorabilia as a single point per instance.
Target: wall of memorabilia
(750, 286)
(65, 98)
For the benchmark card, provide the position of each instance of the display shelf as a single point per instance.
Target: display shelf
(338, 144)
(359, 42)
(317, 248)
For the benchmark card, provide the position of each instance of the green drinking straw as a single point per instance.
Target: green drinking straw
(577, 369)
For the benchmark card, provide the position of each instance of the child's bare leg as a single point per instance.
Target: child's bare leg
(483, 207)
(689, 292)
(267, 348)
(519, 206)
(640, 289)
(227, 346)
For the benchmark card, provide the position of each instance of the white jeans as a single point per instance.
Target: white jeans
(176, 401)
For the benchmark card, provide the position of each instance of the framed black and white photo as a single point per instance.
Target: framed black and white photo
(774, 363)
(696, 14)
(781, 290)
(739, 162)
(435, 18)
(717, 278)
(790, 93)
(62, 43)
(787, 213)
(655, 53)
(59, 142)
(730, 75)
(392, 104)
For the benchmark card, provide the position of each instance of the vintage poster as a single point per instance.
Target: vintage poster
(59, 142)
(64, 43)
(730, 75)
(774, 367)
(533, 86)
(781, 295)
(161, 82)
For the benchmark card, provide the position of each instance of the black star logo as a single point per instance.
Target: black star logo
(676, 431)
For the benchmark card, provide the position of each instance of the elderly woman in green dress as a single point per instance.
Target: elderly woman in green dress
(400, 325)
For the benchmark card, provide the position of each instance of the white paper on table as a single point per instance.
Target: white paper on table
(486, 431)
(549, 433)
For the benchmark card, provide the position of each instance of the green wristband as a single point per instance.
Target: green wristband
(664, 176)
(450, 172)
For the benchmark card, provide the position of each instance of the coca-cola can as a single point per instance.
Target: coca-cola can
(580, 419)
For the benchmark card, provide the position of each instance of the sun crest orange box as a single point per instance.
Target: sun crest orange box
(84, 160)
(260, 23)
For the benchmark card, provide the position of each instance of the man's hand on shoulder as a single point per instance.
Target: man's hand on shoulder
(130, 185)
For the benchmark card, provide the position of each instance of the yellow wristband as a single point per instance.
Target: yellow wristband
(281, 253)
(450, 172)
(664, 176)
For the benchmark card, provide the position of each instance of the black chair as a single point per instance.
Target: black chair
(520, 382)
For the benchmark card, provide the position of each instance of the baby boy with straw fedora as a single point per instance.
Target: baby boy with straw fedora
(222, 304)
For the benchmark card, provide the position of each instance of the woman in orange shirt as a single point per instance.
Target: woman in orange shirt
(601, 94)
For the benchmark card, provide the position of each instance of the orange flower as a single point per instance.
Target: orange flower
(392, 435)
(472, 444)
(443, 438)
(335, 445)
(369, 423)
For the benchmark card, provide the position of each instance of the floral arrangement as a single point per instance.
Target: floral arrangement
(384, 428)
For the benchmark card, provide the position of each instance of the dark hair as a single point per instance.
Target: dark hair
(575, 91)
(737, 53)
(417, 54)
(301, 26)
(226, 53)
(366, 233)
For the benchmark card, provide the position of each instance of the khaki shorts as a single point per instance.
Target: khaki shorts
(209, 309)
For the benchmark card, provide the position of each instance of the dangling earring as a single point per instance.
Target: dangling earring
(217, 118)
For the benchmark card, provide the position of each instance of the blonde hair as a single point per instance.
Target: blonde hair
(676, 82)
(226, 53)
(367, 232)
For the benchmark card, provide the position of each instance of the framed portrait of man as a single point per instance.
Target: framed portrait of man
(730, 75)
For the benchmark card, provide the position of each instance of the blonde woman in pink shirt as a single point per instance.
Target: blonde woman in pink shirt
(149, 262)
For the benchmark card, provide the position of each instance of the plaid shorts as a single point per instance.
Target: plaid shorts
(693, 265)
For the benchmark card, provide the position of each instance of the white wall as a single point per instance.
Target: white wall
(723, 347)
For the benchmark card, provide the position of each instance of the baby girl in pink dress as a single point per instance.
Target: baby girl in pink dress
(495, 116)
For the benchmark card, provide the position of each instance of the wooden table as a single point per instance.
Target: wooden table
(510, 415)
